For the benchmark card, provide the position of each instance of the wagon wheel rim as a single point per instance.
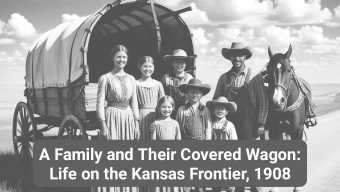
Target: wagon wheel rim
(24, 135)
(71, 128)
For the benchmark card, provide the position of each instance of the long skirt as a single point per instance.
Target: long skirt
(121, 123)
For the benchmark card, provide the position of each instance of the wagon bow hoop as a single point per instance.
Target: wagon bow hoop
(159, 38)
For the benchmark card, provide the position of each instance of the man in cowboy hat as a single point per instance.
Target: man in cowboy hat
(178, 60)
(249, 94)
(230, 83)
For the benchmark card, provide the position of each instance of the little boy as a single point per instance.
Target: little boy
(193, 117)
(222, 129)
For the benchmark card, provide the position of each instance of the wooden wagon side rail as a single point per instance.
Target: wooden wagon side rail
(57, 102)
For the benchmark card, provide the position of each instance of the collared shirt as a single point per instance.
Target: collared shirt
(171, 85)
(238, 79)
(230, 79)
(187, 110)
(193, 109)
(229, 128)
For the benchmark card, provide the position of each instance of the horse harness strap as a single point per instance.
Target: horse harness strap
(296, 104)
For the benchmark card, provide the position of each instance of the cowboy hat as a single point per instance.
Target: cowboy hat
(222, 101)
(196, 84)
(237, 48)
(179, 54)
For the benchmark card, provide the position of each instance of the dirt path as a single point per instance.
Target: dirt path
(323, 145)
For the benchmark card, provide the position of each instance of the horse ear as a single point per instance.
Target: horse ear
(289, 52)
(270, 53)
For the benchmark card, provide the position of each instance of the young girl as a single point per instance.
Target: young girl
(164, 127)
(222, 128)
(149, 91)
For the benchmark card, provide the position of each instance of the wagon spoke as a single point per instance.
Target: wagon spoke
(22, 116)
(19, 122)
(30, 139)
(19, 131)
(69, 130)
(21, 151)
(72, 129)
(24, 113)
(19, 145)
(30, 150)
(31, 133)
(29, 124)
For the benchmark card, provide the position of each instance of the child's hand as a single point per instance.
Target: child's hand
(152, 128)
(261, 131)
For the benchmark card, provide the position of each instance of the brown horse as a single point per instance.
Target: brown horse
(287, 100)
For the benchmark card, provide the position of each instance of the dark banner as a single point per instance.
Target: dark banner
(169, 163)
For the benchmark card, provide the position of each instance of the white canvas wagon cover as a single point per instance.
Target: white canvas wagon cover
(56, 57)
(80, 49)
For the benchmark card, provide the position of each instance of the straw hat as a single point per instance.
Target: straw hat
(222, 101)
(197, 84)
(179, 54)
(235, 49)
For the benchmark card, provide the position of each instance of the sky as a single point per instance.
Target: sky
(312, 27)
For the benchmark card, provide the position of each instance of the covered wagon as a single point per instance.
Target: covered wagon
(65, 62)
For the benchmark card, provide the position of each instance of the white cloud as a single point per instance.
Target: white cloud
(337, 12)
(236, 12)
(199, 37)
(246, 13)
(6, 41)
(225, 36)
(5, 59)
(312, 49)
(174, 4)
(69, 17)
(335, 21)
(222, 10)
(196, 16)
(300, 12)
(20, 27)
(274, 36)
(312, 35)
(2, 25)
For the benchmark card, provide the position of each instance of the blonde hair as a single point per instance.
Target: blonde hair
(145, 59)
(162, 100)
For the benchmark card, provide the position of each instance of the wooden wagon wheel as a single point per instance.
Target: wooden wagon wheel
(24, 135)
(71, 128)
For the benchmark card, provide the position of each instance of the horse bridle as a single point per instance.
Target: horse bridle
(286, 90)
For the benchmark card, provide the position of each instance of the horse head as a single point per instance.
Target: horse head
(279, 74)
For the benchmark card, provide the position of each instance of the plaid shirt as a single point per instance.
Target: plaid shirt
(258, 97)
(257, 94)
